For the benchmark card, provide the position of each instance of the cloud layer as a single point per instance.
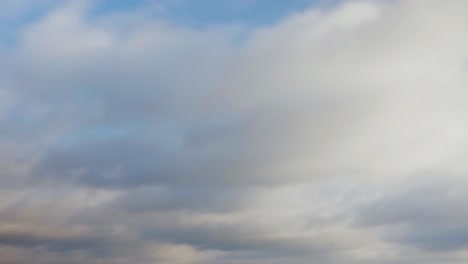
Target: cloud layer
(336, 135)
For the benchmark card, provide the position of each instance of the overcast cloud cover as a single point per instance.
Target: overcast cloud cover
(335, 134)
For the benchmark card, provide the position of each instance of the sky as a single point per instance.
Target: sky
(233, 132)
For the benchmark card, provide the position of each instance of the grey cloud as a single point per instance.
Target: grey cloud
(428, 213)
(95, 245)
(176, 145)
(240, 239)
(165, 120)
(210, 198)
(146, 155)
(439, 238)
(427, 200)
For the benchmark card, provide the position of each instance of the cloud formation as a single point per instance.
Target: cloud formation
(335, 135)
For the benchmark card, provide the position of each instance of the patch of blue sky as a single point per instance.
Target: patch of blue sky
(103, 7)
(190, 13)
(202, 13)
(12, 24)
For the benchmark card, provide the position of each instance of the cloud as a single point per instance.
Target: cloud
(336, 135)
(427, 213)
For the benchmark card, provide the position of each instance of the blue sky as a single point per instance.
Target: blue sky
(207, 12)
(190, 13)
